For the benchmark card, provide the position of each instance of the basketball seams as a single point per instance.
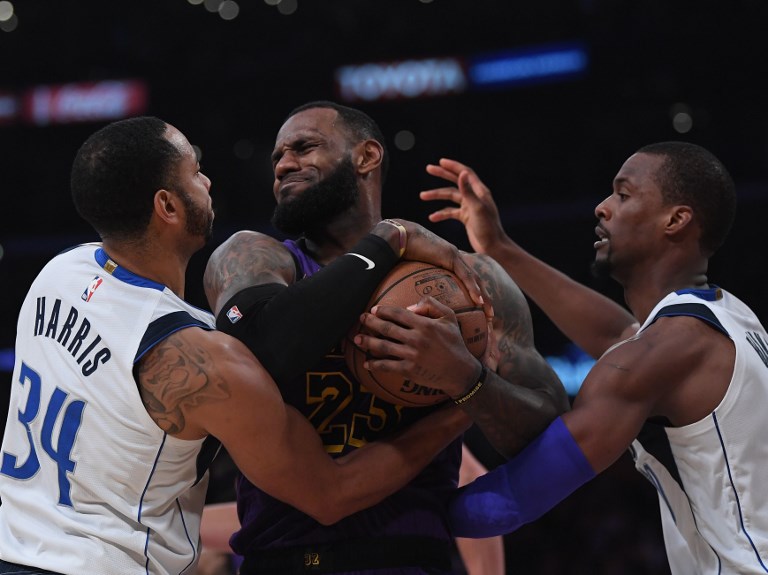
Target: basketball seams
(378, 297)
(468, 309)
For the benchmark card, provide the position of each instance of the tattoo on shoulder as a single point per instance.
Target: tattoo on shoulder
(174, 376)
(243, 261)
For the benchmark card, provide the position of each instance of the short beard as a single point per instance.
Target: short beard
(319, 204)
(199, 221)
(601, 269)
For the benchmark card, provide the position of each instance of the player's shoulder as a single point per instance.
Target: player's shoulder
(667, 348)
(245, 248)
(246, 259)
(678, 365)
(244, 240)
(193, 376)
(683, 336)
(203, 352)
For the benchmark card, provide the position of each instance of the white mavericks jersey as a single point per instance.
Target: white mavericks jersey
(88, 482)
(712, 475)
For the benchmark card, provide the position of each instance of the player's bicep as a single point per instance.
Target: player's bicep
(176, 377)
(615, 399)
(271, 443)
(197, 383)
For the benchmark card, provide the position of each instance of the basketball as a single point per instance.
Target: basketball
(407, 284)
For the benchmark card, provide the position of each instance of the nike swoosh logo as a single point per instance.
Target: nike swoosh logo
(368, 262)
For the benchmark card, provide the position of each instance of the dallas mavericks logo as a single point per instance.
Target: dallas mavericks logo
(234, 314)
(92, 287)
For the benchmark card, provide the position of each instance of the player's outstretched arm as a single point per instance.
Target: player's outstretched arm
(591, 320)
(627, 385)
(197, 383)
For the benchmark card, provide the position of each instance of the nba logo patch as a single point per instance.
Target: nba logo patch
(234, 314)
(92, 287)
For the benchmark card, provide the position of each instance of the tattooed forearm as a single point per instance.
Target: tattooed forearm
(175, 376)
(524, 395)
(517, 404)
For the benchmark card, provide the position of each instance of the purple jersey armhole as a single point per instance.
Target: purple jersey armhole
(307, 265)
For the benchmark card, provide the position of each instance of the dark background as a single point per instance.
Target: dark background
(548, 151)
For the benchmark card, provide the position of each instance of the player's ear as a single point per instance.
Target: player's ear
(166, 205)
(369, 157)
(680, 218)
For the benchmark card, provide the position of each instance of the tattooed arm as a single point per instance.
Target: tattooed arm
(244, 260)
(250, 258)
(197, 383)
(524, 394)
(515, 402)
(256, 274)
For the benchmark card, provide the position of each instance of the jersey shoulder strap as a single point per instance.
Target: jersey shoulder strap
(697, 310)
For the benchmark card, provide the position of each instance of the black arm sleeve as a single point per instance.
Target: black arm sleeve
(288, 328)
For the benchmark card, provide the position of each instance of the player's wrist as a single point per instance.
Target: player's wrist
(500, 246)
(471, 389)
(394, 233)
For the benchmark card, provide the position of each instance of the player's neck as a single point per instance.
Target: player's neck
(642, 294)
(336, 239)
(168, 269)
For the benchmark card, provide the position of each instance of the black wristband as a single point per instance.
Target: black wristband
(469, 394)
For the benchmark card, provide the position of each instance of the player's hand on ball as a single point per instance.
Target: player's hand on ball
(422, 344)
(406, 285)
(423, 245)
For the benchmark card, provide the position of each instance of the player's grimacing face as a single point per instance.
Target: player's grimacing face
(309, 147)
(315, 179)
(319, 203)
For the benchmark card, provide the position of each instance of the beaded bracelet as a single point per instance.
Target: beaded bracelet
(475, 388)
(403, 235)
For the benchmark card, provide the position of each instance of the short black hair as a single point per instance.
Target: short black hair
(116, 173)
(693, 176)
(359, 124)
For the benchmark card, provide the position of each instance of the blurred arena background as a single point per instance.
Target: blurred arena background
(544, 99)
